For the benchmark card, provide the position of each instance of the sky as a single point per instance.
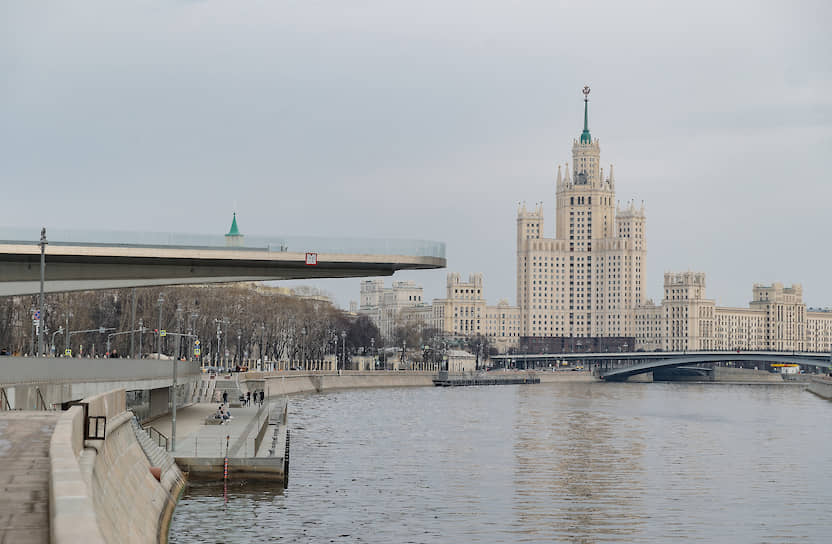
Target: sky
(428, 120)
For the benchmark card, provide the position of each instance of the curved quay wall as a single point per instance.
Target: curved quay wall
(102, 491)
(821, 386)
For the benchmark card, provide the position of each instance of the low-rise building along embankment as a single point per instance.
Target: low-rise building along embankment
(102, 488)
(821, 386)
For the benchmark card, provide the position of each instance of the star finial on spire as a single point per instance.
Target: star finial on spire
(586, 92)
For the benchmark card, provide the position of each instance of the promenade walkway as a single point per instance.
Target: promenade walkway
(195, 438)
(24, 475)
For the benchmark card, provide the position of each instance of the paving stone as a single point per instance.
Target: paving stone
(24, 476)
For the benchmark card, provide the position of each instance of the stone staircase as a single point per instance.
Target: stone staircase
(157, 456)
(207, 390)
(230, 386)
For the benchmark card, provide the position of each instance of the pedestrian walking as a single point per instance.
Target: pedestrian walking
(248, 398)
(262, 396)
(225, 397)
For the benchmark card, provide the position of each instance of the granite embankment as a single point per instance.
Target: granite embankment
(821, 386)
(744, 375)
(287, 383)
(103, 490)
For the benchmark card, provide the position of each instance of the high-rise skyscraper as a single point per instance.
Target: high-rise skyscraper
(589, 278)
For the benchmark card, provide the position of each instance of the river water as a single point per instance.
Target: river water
(558, 462)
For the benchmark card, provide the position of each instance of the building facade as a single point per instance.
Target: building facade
(502, 326)
(390, 307)
(776, 320)
(464, 312)
(588, 279)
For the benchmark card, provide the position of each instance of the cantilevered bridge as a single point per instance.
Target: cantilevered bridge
(102, 260)
(620, 366)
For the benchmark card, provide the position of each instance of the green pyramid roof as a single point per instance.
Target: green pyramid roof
(234, 231)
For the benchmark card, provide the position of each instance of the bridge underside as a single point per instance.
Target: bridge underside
(620, 366)
(89, 267)
(623, 373)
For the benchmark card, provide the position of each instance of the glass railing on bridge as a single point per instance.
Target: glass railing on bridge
(297, 244)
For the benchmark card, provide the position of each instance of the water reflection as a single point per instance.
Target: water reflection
(578, 464)
(544, 463)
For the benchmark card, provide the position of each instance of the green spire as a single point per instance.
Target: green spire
(234, 231)
(585, 136)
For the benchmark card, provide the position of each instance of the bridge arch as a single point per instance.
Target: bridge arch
(622, 373)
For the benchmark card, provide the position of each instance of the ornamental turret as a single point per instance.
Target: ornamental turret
(234, 238)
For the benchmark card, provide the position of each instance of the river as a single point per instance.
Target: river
(557, 462)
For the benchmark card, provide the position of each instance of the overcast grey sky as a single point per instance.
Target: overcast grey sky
(428, 119)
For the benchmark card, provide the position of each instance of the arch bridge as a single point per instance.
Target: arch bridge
(620, 366)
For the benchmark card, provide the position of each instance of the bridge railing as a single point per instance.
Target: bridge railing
(298, 244)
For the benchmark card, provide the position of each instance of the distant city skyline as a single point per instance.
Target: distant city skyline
(429, 121)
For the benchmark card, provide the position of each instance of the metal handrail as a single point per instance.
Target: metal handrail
(5, 398)
(41, 399)
(159, 436)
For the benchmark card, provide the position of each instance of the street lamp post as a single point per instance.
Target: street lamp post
(262, 345)
(133, 325)
(42, 317)
(66, 336)
(303, 348)
(141, 338)
(191, 330)
(218, 358)
(160, 300)
(373, 351)
(219, 333)
(344, 350)
(59, 331)
(239, 348)
(179, 330)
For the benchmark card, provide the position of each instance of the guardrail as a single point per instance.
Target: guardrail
(160, 439)
(178, 240)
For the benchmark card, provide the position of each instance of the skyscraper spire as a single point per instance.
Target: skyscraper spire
(585, 137)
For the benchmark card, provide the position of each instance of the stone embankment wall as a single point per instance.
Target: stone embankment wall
(283, 383)
(103, 490)
(566, 376)
(72, 515)
(821, 386)
(287, 383)
(744, 375)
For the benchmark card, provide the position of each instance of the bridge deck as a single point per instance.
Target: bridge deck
(102, 260)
